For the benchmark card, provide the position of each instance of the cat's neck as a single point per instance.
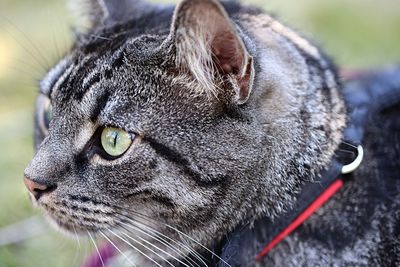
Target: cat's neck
(298, 98)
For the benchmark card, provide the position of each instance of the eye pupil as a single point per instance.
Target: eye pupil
(115, 135)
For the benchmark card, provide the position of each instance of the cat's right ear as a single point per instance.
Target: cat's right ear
(209, 48)
(98, 13)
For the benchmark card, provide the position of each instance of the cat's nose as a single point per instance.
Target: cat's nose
(38, 189)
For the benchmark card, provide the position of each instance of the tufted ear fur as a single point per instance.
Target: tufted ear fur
(102, 12)
(210, 49)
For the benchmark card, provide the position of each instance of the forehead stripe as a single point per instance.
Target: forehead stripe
(101, 103)
(100, 72)
(61, 79)
(64, 79)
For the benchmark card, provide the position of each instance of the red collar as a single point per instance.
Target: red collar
(325, 195)
(304, 215)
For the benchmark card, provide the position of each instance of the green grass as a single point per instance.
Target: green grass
(33, 35)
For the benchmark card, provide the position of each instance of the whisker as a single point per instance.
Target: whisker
(349, 144)
(28, 68)
(135, 248)
(78, 246)
(145, 246)
(76, 237)
(101, 37)
(97, 249)
(164, 240)
(31, 43)
(198, 243)
(115, 246)
(53, 39)
(180, 232)
(197, 255)
(347, 151)
(186, 247)
(136, 228)
(41, 61)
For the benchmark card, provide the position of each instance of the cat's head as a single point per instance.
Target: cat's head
(142, 120)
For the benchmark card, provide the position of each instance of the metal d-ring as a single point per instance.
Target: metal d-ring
(356, 163)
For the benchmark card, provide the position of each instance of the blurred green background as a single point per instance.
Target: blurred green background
(34, 35)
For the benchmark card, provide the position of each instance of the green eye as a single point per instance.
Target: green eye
(115, 141)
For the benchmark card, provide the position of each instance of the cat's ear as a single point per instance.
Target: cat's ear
(102, 12)
(209, 47)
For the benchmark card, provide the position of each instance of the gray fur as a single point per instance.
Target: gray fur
(199, 163)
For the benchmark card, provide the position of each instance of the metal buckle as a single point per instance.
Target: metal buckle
(348, 168)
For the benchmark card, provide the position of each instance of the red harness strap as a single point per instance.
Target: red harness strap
(304, 215)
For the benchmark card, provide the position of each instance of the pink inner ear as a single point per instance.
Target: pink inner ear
(226, 50)
(229, 56)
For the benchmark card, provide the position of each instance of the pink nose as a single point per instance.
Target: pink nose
(37, 189)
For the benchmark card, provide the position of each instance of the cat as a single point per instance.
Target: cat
(165, 128)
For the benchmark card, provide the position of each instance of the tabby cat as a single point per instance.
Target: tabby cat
(165, 128)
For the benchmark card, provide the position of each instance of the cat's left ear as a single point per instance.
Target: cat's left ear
(209, 47)
(102, 12)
